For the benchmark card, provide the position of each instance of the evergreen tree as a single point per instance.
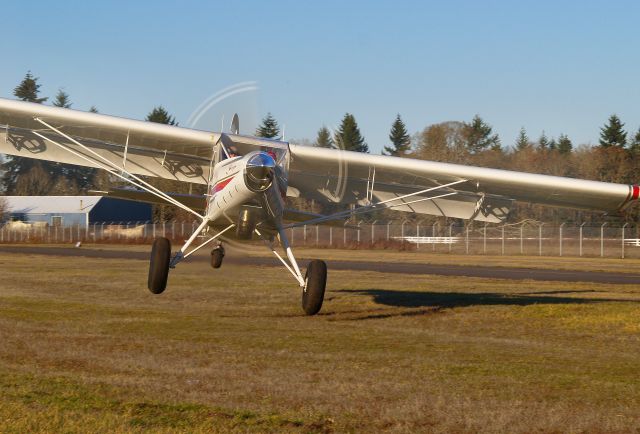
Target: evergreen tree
(26, 176)
(269, 128)
(564, 144)
(522, 142)
(29, 89)
(478, 136)
(348, 136)
(496, 146)
(160, 116)
(634, 146)
(62, 99)
(553, 144)
(93, 109)
(400, 140)
(543, 141)
(613, 134)
(324, 139)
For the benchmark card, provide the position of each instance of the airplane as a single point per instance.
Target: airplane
(249, 179)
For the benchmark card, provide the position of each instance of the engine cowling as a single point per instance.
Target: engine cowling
(259, 172)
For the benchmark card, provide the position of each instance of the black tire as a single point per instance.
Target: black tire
(316, 281)
(217, 255)
(159, 265)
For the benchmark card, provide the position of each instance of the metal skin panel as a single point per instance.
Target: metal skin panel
(109, 129)
(139, 161)
(230, 191)
(114, 130)
(336, 171)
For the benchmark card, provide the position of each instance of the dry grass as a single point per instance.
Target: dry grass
(86, 348)
(425, 256)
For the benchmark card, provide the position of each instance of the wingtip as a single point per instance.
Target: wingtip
(634, 194)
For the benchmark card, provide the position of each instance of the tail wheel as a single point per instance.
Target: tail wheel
(159, 265)
(217, 255)
(315, 282)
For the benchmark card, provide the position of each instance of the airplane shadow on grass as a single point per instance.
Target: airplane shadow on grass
(431, 302)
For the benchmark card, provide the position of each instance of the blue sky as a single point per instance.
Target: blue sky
(558, 66)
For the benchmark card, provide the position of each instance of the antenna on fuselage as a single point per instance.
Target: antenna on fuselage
(235, 124)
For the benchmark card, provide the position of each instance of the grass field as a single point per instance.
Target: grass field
(85, 348)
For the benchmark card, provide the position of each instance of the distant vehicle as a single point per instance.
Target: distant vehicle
(249, 179)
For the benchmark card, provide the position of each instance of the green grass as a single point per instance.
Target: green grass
(86, 348)
(59, 404)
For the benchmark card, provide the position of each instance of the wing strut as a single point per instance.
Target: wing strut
(111, 167)
(126, 148)
(375, 206)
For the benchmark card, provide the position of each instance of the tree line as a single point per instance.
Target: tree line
(616, 158)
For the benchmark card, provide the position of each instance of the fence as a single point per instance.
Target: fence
(602, 240)
(605, 240)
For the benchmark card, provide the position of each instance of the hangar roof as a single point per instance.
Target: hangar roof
(51, 204)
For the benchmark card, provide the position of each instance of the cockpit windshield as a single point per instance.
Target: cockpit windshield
(231, 146)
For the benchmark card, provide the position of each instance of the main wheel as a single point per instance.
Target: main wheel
(315, 282)
(159, 265)
(217, 255)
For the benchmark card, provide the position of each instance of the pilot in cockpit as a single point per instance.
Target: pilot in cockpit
(232, 151)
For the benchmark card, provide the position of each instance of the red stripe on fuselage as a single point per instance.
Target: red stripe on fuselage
(636, 192)
(220, 185)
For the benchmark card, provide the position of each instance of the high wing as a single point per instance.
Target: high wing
(142, 148)
(330, 175)
(479, 193)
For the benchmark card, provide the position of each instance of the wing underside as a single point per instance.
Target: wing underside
(328, 175)
(96, 140)
(479, 193)
(40, 145)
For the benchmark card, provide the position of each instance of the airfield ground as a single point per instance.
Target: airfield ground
(85, 348)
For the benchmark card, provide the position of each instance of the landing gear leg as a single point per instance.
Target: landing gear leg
(312, 285)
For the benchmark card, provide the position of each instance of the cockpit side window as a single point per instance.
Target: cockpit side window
(233, 151)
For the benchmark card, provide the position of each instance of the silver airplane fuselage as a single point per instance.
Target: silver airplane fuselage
(253, 180)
